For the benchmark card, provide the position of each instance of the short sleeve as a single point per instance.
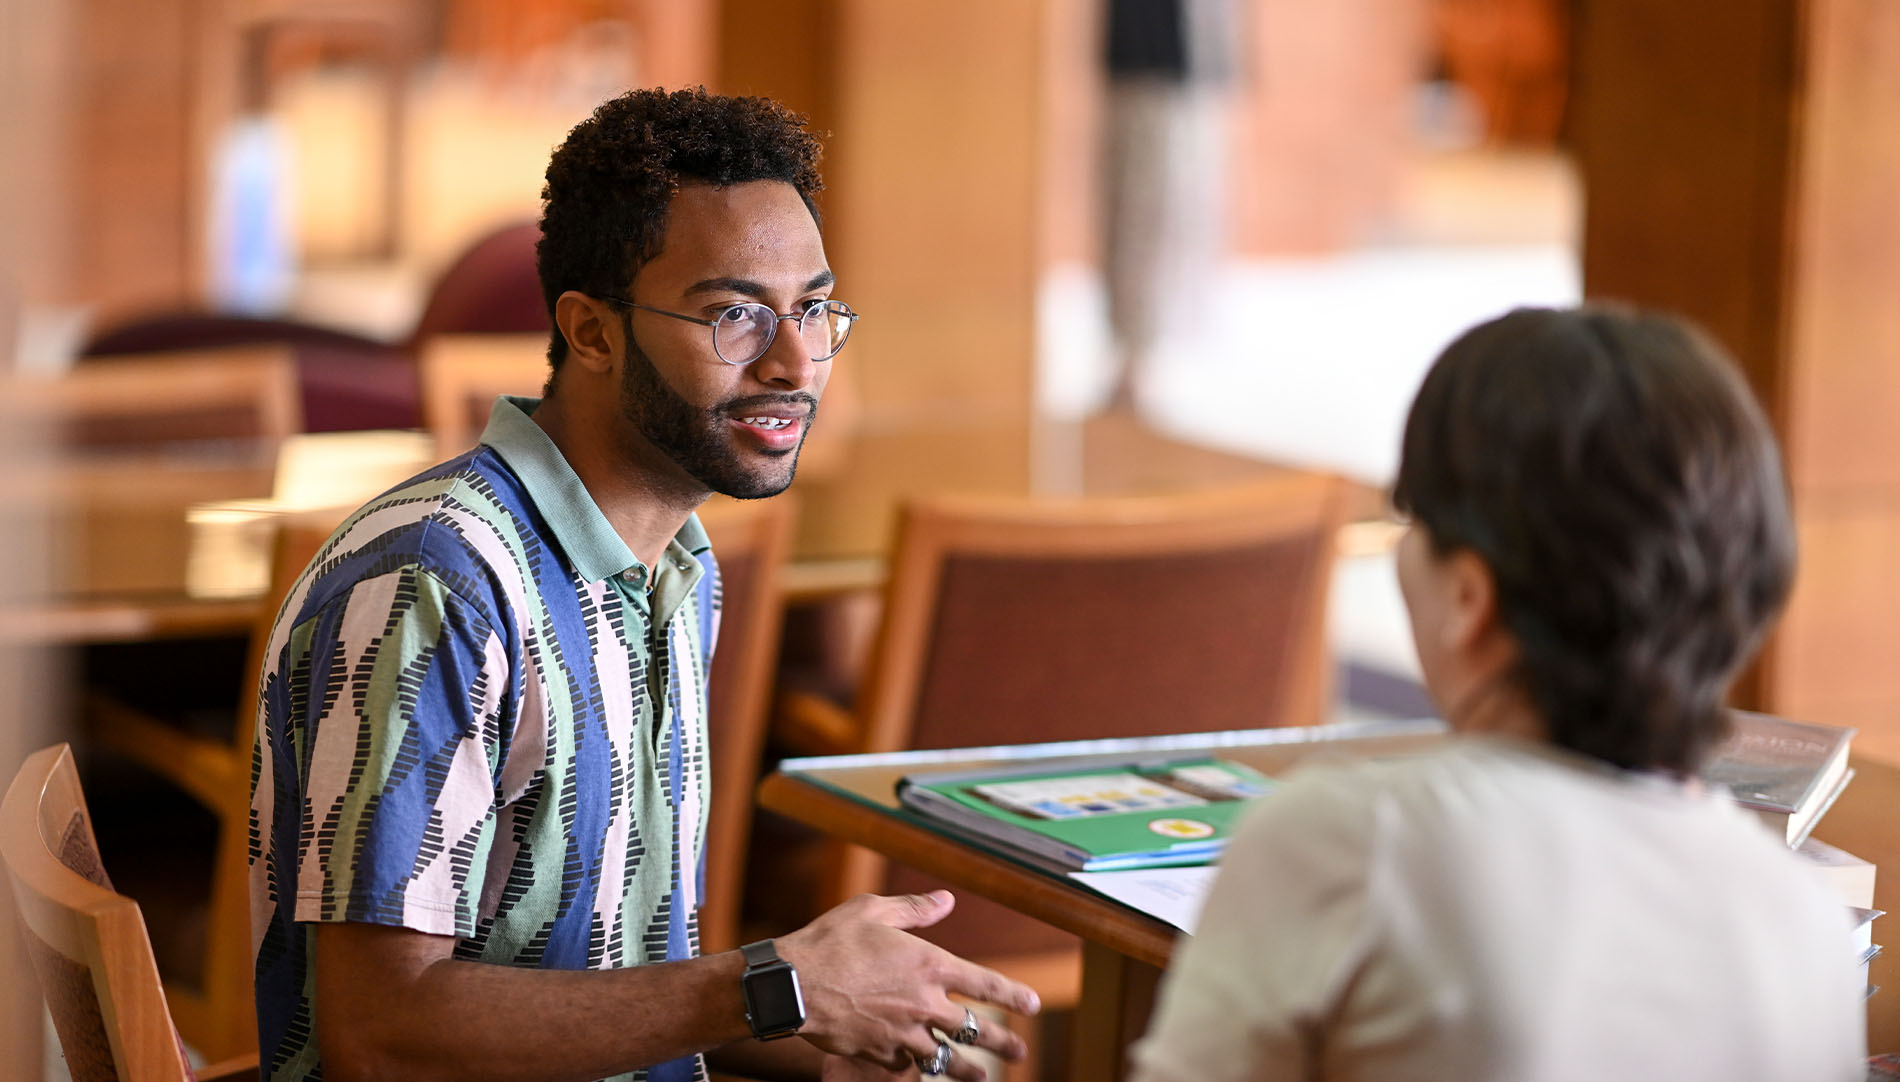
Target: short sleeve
(1282, 928)
(401, 742)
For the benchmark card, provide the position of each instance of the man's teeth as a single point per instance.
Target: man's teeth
(766, 422)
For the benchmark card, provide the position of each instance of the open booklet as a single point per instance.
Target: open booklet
(1096, 815)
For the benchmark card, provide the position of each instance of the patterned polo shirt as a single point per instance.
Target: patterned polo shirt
(476, 720)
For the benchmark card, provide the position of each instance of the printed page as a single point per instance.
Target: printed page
(1171, 894)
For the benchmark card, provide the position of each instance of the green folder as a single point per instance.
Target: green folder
(1098, 815)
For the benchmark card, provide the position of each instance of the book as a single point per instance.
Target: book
(1094, 815)
(1787, 772)
(1863, 918)
(1865, 948)
(1851, 877)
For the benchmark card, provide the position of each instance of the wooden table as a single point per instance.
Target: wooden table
(1124, 951)
(105, 544)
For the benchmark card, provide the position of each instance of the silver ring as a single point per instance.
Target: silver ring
(938, 1062)
(969, 1033)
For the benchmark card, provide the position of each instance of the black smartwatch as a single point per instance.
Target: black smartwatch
(774, 1006)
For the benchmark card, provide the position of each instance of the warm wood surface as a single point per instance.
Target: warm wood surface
(854, 798)
(1124, 952)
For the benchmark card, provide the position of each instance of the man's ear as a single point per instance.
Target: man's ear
(593, 336)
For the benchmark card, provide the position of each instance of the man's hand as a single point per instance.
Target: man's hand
(846, 1069)
(873, 991)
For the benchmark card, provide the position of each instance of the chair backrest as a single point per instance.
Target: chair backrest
(492, 287)
(750, 539)
(87, 942)
(1020, 620)
(462, 374)
(237, 392)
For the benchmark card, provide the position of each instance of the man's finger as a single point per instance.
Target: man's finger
(972, 981)
(991, 1035)
(965, 1069)
(916, 910)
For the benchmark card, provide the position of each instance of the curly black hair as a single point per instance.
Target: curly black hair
(611, 182)
(1615, 473)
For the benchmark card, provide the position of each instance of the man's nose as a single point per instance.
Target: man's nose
(787, 361)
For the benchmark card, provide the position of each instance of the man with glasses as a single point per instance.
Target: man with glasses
(480, 784)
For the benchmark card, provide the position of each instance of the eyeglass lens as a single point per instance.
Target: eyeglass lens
(745, 331)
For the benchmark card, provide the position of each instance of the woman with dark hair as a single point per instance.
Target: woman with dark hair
(1600, 538)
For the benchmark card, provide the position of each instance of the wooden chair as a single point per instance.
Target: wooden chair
(219, 1016)
(139, 402)
(750, 539)
(462, 374)
(1014, 621)
(88, 943)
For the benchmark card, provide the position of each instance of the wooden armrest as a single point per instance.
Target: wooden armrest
(808, 724)
(236, 1069)
(207, 770)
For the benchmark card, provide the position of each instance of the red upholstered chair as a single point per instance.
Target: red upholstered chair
(87, 942)
(347, 382)
(491, 288)
(1020, 620)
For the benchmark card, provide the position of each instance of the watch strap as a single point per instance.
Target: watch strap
(762, 953)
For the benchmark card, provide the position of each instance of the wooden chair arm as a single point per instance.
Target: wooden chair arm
(209, 771)
(804, 723)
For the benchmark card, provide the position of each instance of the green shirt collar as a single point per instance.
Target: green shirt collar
(583, 532)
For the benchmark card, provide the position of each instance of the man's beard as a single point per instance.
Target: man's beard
(699, 440)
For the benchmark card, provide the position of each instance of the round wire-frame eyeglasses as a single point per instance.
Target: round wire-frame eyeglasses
(743, 332)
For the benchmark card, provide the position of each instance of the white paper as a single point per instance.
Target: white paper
(1171, 894)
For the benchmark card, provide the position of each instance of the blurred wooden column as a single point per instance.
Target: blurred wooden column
(1740, 160)
(944, 128)
(1322, 120)
(104, 152)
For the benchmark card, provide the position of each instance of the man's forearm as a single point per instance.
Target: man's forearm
(472, 1021)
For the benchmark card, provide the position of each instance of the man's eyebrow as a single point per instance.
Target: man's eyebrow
(743, 286)
(746, 287)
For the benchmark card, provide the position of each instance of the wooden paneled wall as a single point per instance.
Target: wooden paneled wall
(1740, 161)
(106, 150)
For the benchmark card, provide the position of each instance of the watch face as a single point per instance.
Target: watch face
(774, 1004)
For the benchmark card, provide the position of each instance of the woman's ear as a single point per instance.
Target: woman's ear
(1471, 610)
(592, 337)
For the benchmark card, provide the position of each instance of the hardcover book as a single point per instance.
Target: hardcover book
(1786, 772)
(1095, 816)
